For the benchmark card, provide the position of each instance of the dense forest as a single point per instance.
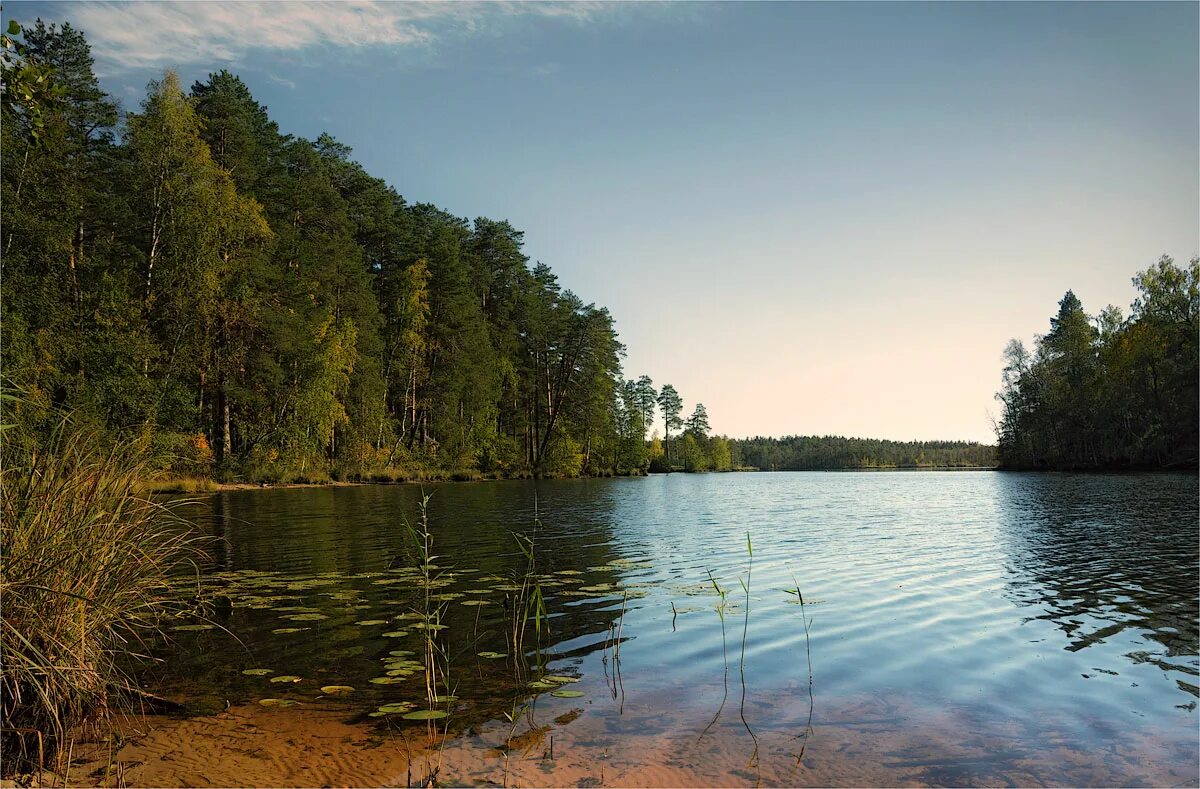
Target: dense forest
(256, 306)
(1109, 391)
(806, 453)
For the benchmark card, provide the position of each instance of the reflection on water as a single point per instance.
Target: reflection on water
(964, 627)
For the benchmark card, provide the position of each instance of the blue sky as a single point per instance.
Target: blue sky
(814, 218)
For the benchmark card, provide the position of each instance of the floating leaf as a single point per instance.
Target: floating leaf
(539, 685)
(306, 617)
(258, 672)
(396, 707)
(396, 634)
(283, 630)
(190, 628)
(290, 678)
(567, 694)
(445, 699)
(368, 622)
(425, 715)
(277, 702)
(559, 680)
(475, 602)
(492, 655)
(402, 652)
(336, 690)
(386, 680)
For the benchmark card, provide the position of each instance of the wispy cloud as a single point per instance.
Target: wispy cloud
(153, 34)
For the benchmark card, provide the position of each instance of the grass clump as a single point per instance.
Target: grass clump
(83, 581)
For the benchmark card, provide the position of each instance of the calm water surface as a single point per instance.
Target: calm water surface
(964, 627)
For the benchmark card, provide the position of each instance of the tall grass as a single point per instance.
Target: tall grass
(83, 581)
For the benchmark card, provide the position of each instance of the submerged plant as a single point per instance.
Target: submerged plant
(83, 584)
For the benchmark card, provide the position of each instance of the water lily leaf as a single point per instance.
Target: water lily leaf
(402, 652)
(445, 699)
(492, 655)
(336, 690)
(368, 622)
(425, 715)
(386, 680)
(289, 678)
(396, 634)
(277, 702)
(258, 672)
(539, 685)
(397, 706)
(190, 628)
(306, 617)
(427, 626)
(567, 694)
(283, 630)
(475, 602)
(559, 680)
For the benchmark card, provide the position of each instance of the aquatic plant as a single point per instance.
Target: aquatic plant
(83, 581)
(808, 729)
(436, 658)
(742, 659)
(529, 603)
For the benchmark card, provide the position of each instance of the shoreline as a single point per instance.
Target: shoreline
(202, 486)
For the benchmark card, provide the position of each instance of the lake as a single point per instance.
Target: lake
(963, 627)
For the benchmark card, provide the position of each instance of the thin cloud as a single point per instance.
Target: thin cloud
(127, 36)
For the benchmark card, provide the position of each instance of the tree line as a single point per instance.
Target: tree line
(813, 453)
(1109, 391)
(257, 305)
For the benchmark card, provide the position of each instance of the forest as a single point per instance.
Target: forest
(1109, 391)
(251, 305)
(811, 453)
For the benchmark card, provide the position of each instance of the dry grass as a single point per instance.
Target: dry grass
(82, 583)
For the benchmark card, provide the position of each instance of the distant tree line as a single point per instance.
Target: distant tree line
(812, 453)
(1109, 391)
(256, 305)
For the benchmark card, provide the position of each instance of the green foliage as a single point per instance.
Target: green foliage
(1109, 392)
(196, 277)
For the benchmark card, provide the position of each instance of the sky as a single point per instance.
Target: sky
(813, 218)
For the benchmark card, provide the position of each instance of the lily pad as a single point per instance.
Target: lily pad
(567, 694)
(279, 631)
(396, 708)
(190, 628)
(368, 622)
(386, 680)
(425, 715)
(258, 672)
(539, 685)
(401, 652)
(289, 678)
(492, 655)
(559, 680)
(336, 690)
(306, 617)
(277, 702)
(475, 602)
(396, 634)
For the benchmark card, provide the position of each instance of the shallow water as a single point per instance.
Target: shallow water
(964, 628)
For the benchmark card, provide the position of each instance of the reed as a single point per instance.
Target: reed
(83, 582)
